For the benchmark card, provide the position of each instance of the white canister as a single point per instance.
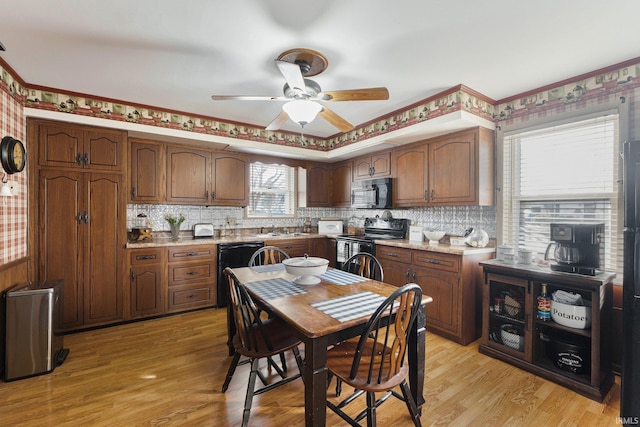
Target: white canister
(525, 257)
(502, 250)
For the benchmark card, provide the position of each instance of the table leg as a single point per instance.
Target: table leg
(315, 382)
(417, 339)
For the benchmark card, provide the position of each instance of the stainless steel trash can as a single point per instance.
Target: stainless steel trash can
(34, 340)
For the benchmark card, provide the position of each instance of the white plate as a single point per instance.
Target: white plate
(306, 280)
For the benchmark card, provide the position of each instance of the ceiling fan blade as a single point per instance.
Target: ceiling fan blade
(278, 121)
(370, 94)
(292, 75)
(246, 98)
(335, 120)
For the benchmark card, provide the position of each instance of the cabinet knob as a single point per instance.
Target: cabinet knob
(133, 276)
(213, 195)
(191, 253)
(433, 194)
(79, 159)
(192, 273)
(133, 192)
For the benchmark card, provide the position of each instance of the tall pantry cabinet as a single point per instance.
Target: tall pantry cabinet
(81, 205)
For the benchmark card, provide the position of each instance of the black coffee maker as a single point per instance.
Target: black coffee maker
(577, 248)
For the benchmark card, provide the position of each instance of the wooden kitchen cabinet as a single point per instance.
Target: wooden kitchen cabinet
(377, 165)
(453, 281)
(66, 145)
(411, 184)
(293, 247)
(147, 171)
(319, 247)
(82, 234)
(318, 185)
(200, 177)
(453, 170)
(188, 175)
(230, 179)
(148, 284)
(510, 301)
(341, 184)
(461, 168)
(192, 277)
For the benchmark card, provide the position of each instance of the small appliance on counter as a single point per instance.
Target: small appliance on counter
(330, 226)
(576, 248)
(415, 233)
(203, 231)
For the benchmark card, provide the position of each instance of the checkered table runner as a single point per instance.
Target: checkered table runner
(275, 288)
(267, 268)
(340, 277)
(351, 306)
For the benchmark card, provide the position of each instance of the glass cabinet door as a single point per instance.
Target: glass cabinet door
(508, 322)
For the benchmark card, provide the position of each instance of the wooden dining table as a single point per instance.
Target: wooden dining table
(333, 310)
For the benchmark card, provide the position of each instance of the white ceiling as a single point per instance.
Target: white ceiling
(176, 54)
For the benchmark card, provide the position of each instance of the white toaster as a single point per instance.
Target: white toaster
(202, 230)
(330, 226)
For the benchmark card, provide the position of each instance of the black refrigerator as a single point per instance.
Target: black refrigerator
(630, 385)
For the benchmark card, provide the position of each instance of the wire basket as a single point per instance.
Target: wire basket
(513, 307)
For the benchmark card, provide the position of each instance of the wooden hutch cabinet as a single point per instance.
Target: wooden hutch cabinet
(579, 359)
(81, 218)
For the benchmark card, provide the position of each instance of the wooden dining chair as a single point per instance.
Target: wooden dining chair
(376, 361)
(364, 264)
(267, 255)
(264, 256)
(256, 339)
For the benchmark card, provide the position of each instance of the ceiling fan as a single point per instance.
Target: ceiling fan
(303, 94)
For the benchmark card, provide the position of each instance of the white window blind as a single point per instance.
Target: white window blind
(563, 173)
(272, 191)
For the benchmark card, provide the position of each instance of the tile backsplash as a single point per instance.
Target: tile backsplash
(451, 219)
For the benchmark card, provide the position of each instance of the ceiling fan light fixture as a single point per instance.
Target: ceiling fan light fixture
(302, 111)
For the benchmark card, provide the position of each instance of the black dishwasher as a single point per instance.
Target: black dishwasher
(232, 255)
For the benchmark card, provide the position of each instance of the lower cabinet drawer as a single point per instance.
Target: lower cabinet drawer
(392, 253)
(182, 274)
(180, 299)
(438, 261)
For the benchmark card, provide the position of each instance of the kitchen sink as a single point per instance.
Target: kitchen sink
(263, 235)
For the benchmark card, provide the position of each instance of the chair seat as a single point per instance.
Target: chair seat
(279, 334)
(340, 360)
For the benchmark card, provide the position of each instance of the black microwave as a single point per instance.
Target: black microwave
(371, 194)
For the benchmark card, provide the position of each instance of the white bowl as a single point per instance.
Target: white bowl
(572, 316)
(306, 269)
(510, 336)
(433, 236)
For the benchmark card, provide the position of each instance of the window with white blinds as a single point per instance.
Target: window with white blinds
(272, 191)
(563, 173)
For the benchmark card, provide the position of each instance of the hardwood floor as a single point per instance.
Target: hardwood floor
(169, 371)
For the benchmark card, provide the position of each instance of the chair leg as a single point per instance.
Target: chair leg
(231, 370)
(338, 386)
(250, 388)
(299, 362)
(411, 405)
(371, 409)
(283, 362)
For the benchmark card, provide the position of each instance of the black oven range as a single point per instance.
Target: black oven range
(374, 229)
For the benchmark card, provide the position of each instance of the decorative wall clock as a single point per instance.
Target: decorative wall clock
(13, 156)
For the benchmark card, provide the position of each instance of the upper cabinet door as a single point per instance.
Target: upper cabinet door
(147, 174)
(318, 185)
(377, 165)
(60, 145)
(461, 169)
(341, 183)
(410, 185)
(188, 176)
(230, 179)
(70, 146)
(104, 149)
